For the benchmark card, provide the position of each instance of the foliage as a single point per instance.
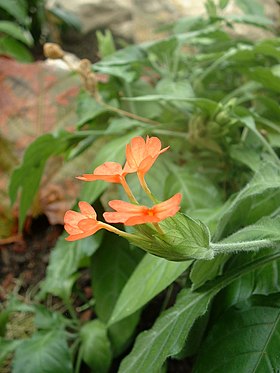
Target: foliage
(23, 25)
(213, 97)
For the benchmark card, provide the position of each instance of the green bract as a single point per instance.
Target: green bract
(184, 238)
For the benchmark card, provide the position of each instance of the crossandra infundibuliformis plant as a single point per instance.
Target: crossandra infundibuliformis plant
(214, 99)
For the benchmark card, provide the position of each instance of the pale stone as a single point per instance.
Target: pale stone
(137, 19)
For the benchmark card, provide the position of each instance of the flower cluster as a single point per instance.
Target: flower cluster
(141, 154)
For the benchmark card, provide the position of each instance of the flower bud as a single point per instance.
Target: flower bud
(184, 238)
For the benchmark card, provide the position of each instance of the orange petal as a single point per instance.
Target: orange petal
(76, 237)
(135, 151)
(168, 208)
(153, 145)
(109, 168)
(72, 230)
(122, 206)
(141, 220)
(87, 210)
(146, 164)
(115, 217)
(72, 217)
(88, 225)
(108, 178)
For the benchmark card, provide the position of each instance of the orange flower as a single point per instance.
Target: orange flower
(130, 214)
(141, 155)
(81, 224)
(111, 172)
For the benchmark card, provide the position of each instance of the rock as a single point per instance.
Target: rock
(137, 19)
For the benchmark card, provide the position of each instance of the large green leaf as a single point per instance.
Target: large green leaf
(266, 77)
(197, 190)
(12, 29)
(265, 228)
(64, 262)
(6, 347)
(260, 197)
(167, 336)
(28, 175)
(112, 265)
(95, 346)
(251, 6)
(17, 9)
(204, 104)
(245, 340)
(45, 352)
(151, 276)
(263, 281)
(11, 47)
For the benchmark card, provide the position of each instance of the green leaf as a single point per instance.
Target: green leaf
(12, 29)
(260, 197)
(64, 262)
(251, 19)
(223, 3)
(206, 270)
(106, 45)
(265, 228)
(45, 352)
(4, 318)
(122, 332)
(122, 64)
(251, 7)
(113, 150)
(7, 347)
(265, 77)
(28, 175)
(112, 265)
(248, 339)
(67, 17)
(249, 122)
(246, 155)
(95, 346)
(17, 9)
(48, 319)
(185, 238)
(197, 190)
(151, 276)
(167, 336)
(11, 47)
(204, 104)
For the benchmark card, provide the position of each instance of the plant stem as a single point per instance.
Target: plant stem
(128, 191)
(158, 228)
(117, 231)
(227, 248)
(145, 187)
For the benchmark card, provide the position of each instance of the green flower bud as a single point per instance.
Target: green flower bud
(183, 238)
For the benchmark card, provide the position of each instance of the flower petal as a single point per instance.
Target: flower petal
(122, 206)
(141, 220)
(88, 225)
(135, 151)
(168, 208)
(72, 217)
(72, 230)
(109, 168)
(87, 210)
(76, 237)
